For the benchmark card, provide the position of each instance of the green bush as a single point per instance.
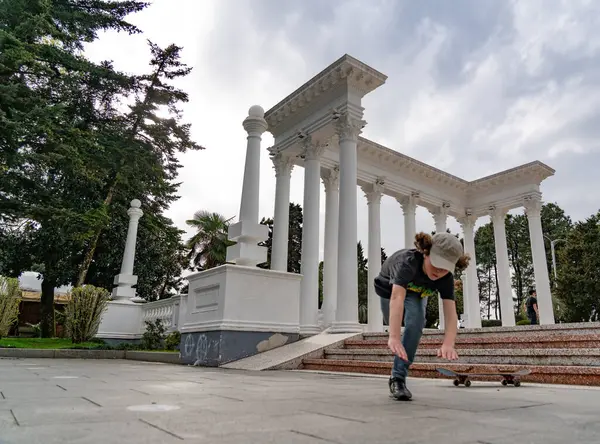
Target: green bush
(524, 322)
(491, 323)
(83, 312)
(172, 341)
(154, 336)
(10, 298)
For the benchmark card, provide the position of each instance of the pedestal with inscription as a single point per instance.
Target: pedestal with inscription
(237, 311)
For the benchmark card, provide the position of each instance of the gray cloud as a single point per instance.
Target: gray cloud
(474, 87)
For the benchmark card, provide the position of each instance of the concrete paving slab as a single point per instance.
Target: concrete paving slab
(83, 401)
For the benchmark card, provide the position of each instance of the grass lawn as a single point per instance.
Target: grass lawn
(57, 343)
(46, 343)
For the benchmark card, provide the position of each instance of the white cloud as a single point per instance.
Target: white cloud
(469, 90)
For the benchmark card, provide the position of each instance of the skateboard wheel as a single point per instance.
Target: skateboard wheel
(467, 383)
(504, 382)
(517, 384)
(456, 382)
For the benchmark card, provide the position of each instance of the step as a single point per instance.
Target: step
(580, 328)
(490, 342)
(547, 374)
(548, 356)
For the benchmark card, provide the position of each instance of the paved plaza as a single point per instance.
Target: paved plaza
(102, 401)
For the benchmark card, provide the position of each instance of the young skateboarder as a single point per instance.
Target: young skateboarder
(407, 278)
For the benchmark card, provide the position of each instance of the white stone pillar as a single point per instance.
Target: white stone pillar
(465, 285)
(279, 249)
(309, 288)
(440, 217)
(331, 182)
(346, 315)
(471, 295)
(409, 208)
(506, 300)
(126, 279)
(248, 232)
(373, 194)
(533, 208)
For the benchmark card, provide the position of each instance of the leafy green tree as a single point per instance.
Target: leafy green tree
(363, 284)
(294, 239)
(144, 143)
(486, 268)
(208, 247)
(50, 156)
(578, 285)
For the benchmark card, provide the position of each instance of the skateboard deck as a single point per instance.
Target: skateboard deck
(512, 378)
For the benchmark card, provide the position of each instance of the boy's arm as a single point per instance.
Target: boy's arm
(396, 311)
(451, 322)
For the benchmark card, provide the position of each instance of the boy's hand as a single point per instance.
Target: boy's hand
(447, 352)
(397, 348)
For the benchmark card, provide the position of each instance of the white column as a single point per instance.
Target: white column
(440, 217)
(409, 208)
(533, 208)
(465, 285)
(248, 232)
(126, 279)
(373, 194)
(346, 315)
(279, 249)
(471, 295)
(309, 288)
(331, 182)
(506, 300)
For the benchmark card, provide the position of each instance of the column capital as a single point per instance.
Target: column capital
(374, 191)
(467, 222)
(409, 203)
(255, 124)
(331, 180)
(440, 214)
(283, 164)
(533, 205)
(348, 127)
(312, 150)
(135, 211)
(498, 214)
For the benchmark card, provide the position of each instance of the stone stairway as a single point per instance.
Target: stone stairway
(562, 353)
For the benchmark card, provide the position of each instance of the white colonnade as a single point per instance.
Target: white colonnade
(318, 127)
(340, 294)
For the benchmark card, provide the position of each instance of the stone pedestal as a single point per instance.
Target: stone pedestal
(121, 322)
(235, 311)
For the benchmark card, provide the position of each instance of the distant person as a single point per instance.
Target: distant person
(407, 278)
(532, 307)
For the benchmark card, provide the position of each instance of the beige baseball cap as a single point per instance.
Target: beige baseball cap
(445, 251)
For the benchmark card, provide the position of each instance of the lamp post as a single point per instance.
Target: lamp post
(553, 242)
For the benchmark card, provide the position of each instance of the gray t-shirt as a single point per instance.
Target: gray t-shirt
(405, 268)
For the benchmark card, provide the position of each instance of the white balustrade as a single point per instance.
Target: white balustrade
(167, 310)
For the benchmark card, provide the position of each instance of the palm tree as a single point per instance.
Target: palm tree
(208, 247)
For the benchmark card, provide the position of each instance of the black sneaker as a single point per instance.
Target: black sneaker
(398, 389)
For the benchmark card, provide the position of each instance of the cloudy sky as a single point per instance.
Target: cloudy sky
(474, 87)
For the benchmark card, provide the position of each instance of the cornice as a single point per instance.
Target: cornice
(345, 71)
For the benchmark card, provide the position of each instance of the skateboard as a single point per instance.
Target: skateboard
(513, 378)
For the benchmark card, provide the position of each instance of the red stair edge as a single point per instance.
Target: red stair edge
(551, 374)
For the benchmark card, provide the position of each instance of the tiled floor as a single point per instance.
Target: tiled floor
(101, 401)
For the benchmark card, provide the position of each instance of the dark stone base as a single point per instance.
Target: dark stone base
(215, 348)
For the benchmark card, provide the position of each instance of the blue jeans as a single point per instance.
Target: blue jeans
(414, 323)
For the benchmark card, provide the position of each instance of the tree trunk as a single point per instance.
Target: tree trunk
(89, 255)
(47, 326)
